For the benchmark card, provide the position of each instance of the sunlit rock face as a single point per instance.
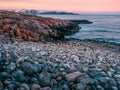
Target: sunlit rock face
(22, 27)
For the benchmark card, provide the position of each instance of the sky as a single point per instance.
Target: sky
(63, 5)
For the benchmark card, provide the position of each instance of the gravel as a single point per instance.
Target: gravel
(68, 65)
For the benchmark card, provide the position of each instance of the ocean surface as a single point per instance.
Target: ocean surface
(103, 28)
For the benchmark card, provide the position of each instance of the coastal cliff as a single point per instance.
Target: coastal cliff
(22, 27)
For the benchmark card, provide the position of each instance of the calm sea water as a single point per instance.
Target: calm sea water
(104, 27)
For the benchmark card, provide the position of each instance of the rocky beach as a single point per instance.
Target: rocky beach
(35, 56)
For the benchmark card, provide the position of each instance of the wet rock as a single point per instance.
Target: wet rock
(35, 87)
(73, 76)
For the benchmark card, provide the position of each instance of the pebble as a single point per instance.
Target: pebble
(49, 66)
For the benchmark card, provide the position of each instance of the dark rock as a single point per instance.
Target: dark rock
(19, 75)
(85, 79)
(28, 68)
(44, 78)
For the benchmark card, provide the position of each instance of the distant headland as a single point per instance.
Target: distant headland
(37, 12)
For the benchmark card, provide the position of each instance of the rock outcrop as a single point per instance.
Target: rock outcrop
(20, 27)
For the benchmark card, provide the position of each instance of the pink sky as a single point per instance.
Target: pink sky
(63, 5)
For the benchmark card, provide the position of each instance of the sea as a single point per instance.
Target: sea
(105, 27)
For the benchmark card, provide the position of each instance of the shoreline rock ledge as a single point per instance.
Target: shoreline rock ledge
(22, 27)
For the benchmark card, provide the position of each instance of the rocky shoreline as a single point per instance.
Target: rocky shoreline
(22, 27)
(35, 56)
(63, 65)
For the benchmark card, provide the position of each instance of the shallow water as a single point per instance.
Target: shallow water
(104, 27)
